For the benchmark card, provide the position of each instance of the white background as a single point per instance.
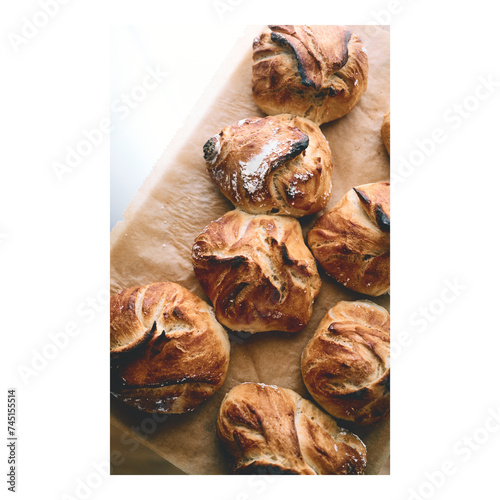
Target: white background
(54, 242)
(147, 119)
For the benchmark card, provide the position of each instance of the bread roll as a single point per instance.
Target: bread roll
(257, 271)
(278, 164)
(386, 131)
(270, 430)
(352, 240)
(319, 72)
(168, 351)
(345, 366)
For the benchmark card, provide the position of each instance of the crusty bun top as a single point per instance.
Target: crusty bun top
(168, 351)
(352, 240)
(277, 164)
(319, 72)
(345, 366)
(271, 430)
(257, 271)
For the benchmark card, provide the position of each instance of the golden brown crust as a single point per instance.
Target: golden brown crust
(271, 430)
(277, 164)
(345, 366)
(257, 271)
(319, 72)
(386, 131)
(168, 351)
(352, 240)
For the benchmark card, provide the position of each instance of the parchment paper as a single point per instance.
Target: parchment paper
(179, 199)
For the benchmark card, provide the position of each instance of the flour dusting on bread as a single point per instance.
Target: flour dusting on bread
(254, 171)
(263, 165)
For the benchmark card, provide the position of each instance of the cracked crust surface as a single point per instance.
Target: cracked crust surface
(271, 430)
(277, 164)
(345, 366)
(352, 240)
(319, 72)
(257, 271)
(168, 352)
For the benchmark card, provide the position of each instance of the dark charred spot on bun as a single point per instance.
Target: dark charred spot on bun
(280, 39)
(299, 146)
(362, 196)
(237, 261)
(332, 91)
(350, 468)
(266, 469)
(386, 384)
(286, 258)
(296, 147)
(209, 149)
(158, 343)
(234, 262)
(347, 39)
(383, 220)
